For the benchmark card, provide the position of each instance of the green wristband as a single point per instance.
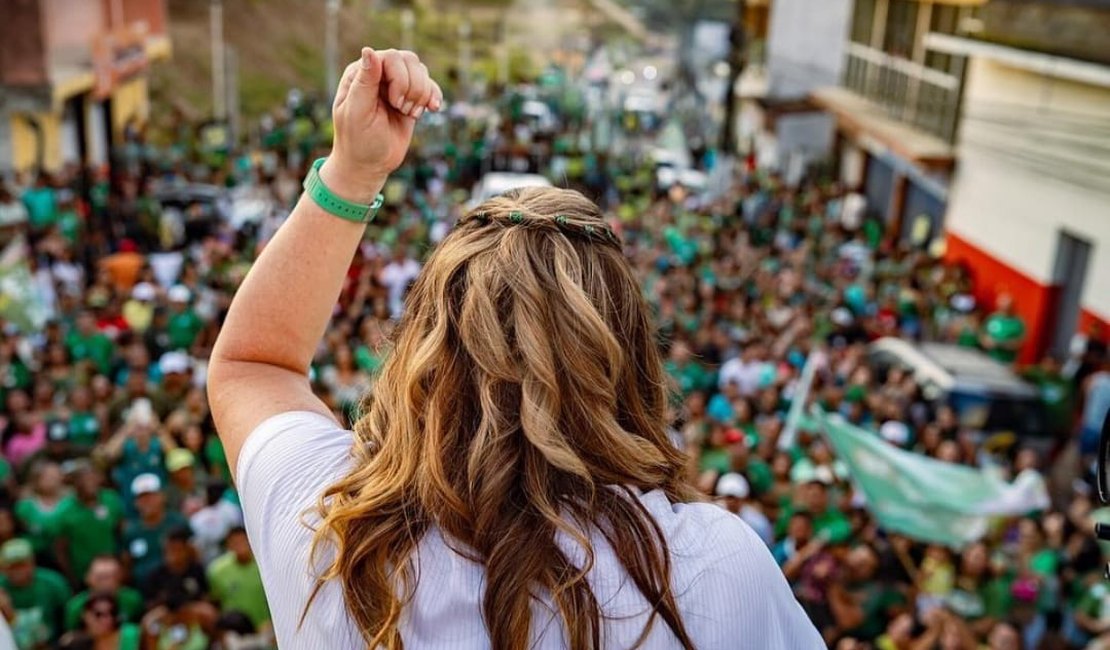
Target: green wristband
(348, 210)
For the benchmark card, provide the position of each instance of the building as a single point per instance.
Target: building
(1028, 207)
(73, 76)
(804, 51)
(980, 127)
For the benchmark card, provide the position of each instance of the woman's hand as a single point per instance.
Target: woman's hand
(378, 101)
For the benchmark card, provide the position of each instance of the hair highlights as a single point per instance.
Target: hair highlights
(524, 400)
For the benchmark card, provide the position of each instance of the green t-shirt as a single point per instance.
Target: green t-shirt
(1056, 393)
(84, 429)
(691, 376)
(38, 607)
(130, 637)
(216, 458)
(183, 328)
(42, 207)
(759, 475)
(238, 587)
(144, 544)
(715, 458)
(1095, 601)
(95, 347)
(130, 606)
(41, 526)
(1004, 329)
(90, 531)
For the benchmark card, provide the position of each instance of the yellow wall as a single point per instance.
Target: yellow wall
(25, 141)
(129, 101)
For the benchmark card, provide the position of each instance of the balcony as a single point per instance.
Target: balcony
(908, 92)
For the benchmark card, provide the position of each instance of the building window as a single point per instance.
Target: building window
(901, 25)
(862, 21)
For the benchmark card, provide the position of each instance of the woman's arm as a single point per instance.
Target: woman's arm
(260, 362)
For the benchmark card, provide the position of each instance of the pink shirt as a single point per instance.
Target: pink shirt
(23, 445)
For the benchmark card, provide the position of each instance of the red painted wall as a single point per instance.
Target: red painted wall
(1033, 301)
(1089, 322)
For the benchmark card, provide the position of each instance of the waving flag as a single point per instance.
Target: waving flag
(924, 498)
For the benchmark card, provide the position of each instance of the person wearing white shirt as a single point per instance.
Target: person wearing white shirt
(511, 484)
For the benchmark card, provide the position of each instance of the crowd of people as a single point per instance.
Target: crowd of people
(119, 524)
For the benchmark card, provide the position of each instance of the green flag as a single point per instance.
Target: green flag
(20, 302)
(921, 497)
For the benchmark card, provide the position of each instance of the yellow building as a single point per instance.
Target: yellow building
(73, 76)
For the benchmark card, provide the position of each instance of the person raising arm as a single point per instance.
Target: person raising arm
(259, 366)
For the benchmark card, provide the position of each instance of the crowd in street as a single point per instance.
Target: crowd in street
(119, 524)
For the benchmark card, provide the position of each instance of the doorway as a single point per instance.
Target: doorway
(1069, 274)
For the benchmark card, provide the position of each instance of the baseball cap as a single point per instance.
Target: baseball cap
(146, 484)
(179, 459)
(179, 293)
(733, 436)
(895, 432)
(16, 550)
(143, 291)
(733, 485)
(174, 362)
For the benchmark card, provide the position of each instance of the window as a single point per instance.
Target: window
(862, 21)
(901, 24)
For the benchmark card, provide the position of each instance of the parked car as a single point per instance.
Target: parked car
(986, 395)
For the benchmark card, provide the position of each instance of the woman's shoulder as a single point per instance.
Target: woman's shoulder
(702, 529)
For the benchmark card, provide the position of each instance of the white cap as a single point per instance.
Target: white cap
(174, 362)
(145, 484)
(823, 474)
(733, 485)
(895, 432)
(144, 291)
(179, 293)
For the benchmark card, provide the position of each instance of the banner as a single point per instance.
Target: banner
(799, 398)
(924, 498)
(20, 302)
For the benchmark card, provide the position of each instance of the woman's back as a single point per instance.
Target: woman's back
(728, 589)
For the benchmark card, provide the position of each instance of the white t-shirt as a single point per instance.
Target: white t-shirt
(729, 590)
(396, 276)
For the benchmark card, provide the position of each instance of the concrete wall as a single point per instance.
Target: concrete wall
(1034, 159)
(805, 45)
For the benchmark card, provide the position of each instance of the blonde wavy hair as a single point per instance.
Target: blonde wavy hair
(524, 397)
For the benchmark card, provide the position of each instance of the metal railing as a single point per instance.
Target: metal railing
(909, 92)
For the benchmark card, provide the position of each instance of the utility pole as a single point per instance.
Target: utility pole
(464, 58)
(331, 45)
(219, 83)
(408, 24)
(233, 109)
(736, 59)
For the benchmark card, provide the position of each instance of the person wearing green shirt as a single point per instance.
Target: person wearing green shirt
(85, 343)
(89, 522)
(184, 324)
(41, 203)
(40, 511)
(686, 370)
(84, 425)
(143, 539)
(1003, 332)
(103, 627)
(1056, 393)
(38, 595)
(105, 575)
(234, 580)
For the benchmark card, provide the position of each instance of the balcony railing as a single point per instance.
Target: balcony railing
(909, 92)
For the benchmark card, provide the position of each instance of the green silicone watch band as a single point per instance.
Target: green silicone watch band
(348, 210)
